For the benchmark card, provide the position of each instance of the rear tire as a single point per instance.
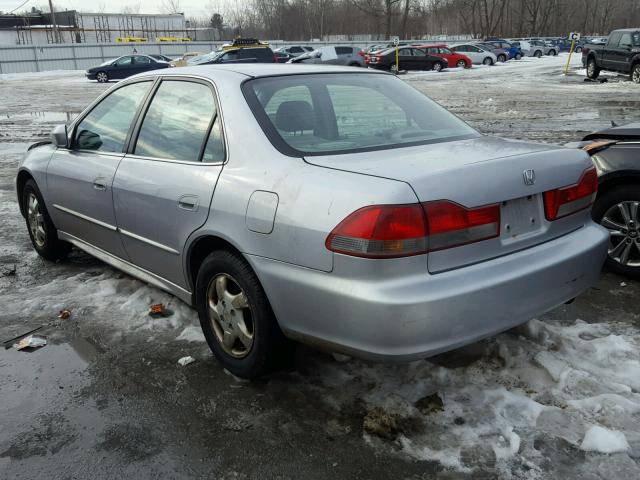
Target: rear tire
(553, 53)
(578, 50)
(502, 58)
(236, 317)
(606, 207)
(538, 54)
(518, 56)
(592, 69)
(43, 234)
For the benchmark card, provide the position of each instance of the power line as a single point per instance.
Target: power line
(20, 6)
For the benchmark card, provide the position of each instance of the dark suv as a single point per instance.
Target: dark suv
(238, 55)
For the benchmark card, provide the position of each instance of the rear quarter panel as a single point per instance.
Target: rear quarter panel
(312, 200)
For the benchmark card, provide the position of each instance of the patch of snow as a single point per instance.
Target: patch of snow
(192, 334)
(603, 440)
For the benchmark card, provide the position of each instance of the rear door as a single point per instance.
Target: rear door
(609, 52)
(164, 185)
(622, 55)
(421, 60)
(405, 59)
(80, 179)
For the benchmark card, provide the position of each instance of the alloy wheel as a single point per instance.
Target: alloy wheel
(461, 64)
(636, 74)
(36, 221)
(102, 77)
(437, 67)
(623, 222)
(591, 68)
(230, 315)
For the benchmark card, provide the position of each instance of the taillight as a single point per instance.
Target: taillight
(565, 201)
(390, 231)
(452, 225)
(381, 231)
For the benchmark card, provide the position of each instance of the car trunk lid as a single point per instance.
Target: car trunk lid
(479, 172)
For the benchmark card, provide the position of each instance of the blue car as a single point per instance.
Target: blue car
(512, 50)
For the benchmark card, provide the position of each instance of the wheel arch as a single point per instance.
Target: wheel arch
(616, 179)
(198, 250)
(21, 180)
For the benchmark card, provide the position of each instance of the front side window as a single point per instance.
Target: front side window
(105, 128)
(324, 113)
(177, 121)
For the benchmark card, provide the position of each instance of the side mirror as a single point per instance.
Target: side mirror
(59, 136)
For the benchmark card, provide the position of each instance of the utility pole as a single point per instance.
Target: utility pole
(56, 33)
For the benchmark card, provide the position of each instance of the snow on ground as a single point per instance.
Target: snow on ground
(557, 397)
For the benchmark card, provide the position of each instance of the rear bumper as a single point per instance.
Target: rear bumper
(387, 317)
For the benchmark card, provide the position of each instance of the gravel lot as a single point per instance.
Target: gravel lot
(107, 399)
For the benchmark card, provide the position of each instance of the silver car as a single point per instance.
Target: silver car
(283, 207)
(338, 55)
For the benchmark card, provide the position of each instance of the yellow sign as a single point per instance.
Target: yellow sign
(130, 40)
(173, 39)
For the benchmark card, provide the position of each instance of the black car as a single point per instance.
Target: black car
(616, 154)
(409, 58)
(238, 55)
(124, 67)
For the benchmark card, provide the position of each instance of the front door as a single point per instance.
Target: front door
(79, 179)
(163, 187)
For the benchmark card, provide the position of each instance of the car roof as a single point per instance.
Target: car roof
(256, 70)
(623, 132)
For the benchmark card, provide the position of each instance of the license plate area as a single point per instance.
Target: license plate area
(520, 217)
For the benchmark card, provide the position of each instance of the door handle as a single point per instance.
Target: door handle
(100, 184)
(188, 202)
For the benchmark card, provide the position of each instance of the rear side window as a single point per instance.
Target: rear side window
(177, 121)
(344, 50)
(324, 113)
(141, 60)
(105, 128)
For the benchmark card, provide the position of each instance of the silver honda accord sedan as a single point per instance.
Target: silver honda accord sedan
(326, 205)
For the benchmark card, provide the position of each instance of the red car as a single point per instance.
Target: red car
(455, 60)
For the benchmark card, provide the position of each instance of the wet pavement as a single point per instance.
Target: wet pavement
(106, 398)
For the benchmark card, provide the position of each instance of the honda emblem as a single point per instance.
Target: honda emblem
(529, 176)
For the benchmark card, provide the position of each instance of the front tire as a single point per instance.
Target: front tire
(635, 73)
(236, 316)
(592, 69)
(461, 64)
(43, 234)
(618, 210)
(102, 77)
(502, 58)
(437, 67)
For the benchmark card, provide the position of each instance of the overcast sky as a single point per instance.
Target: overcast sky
(191, 8)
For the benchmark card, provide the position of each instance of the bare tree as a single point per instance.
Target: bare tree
(171, 6)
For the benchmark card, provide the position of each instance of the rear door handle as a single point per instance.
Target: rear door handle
(100, 184)
(188, 202)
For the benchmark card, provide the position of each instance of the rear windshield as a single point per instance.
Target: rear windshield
(345, 113)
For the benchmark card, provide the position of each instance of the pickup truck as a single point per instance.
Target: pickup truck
(621, 54)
